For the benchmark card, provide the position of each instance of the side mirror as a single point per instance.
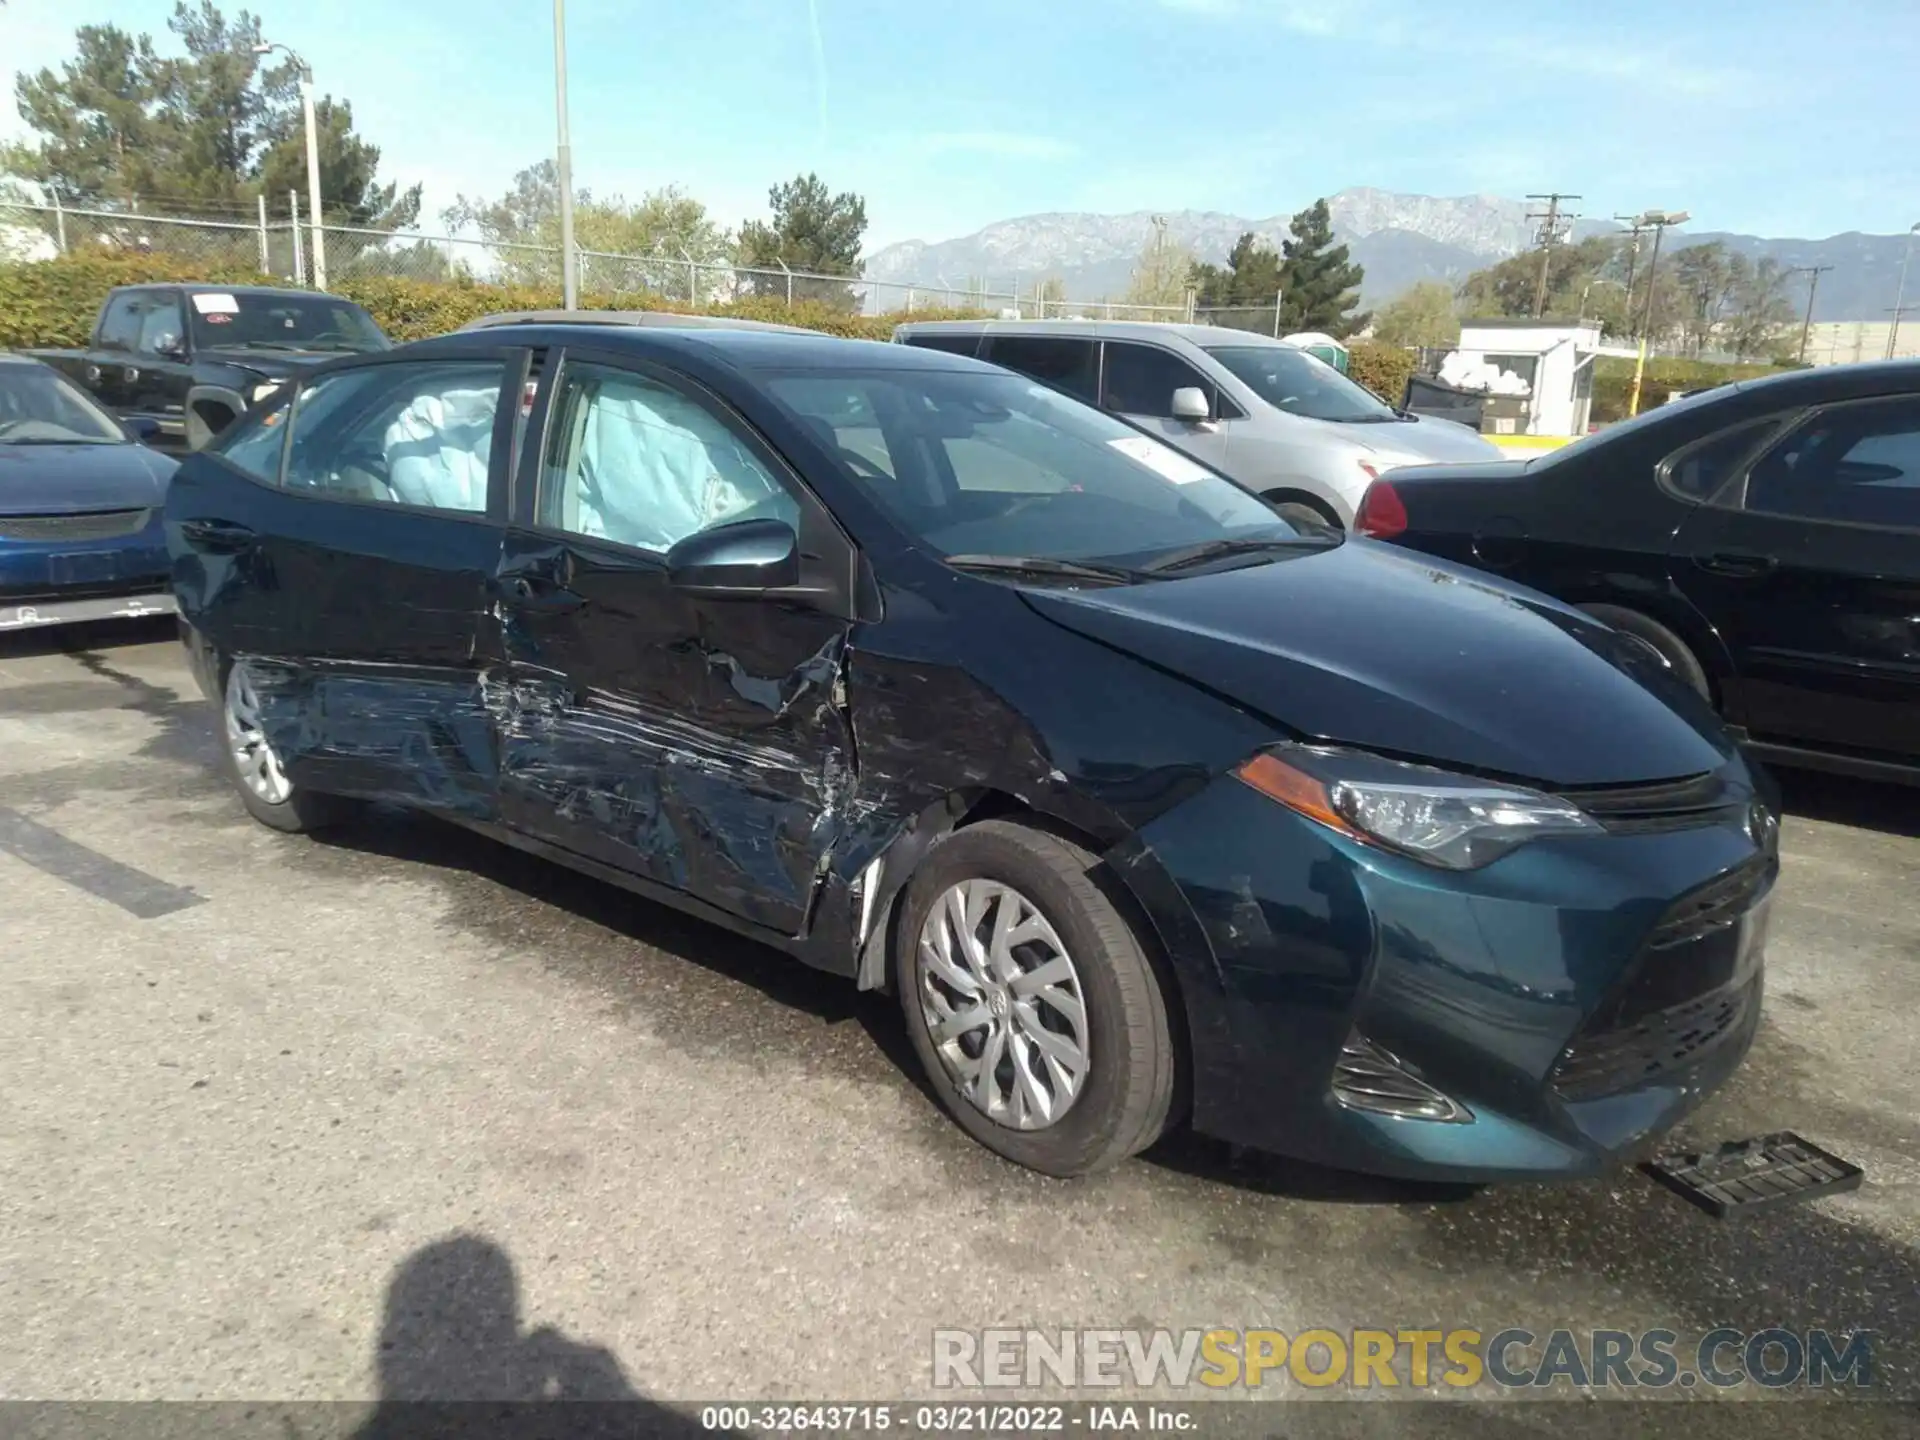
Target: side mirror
(172, 347)
(142, 428)
(1190, 403)
(744, 558)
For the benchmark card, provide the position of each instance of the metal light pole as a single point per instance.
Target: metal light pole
(1656, 221)
(1900, 296)
(313, 158)
(1814, 272)
(569, 271)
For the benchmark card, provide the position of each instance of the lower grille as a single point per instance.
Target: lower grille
(1615, 1060)
(96, 525)
(1367, 1078)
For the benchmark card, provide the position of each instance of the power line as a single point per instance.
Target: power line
(1549, 236)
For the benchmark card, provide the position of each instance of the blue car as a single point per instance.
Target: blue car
(1149, 806)
(81, 535)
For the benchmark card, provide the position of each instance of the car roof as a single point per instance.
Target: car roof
(1202, 335)
(652, 318)
(777, 349)
(203, 287)
(1834, 382)
(8, 357)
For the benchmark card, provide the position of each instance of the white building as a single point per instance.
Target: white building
(1554, 359)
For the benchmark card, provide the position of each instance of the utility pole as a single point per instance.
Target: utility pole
(563, 162)
(1636, 229)
(1549, 236)
(1900, 297)
(1656, 221)
(1813, 288)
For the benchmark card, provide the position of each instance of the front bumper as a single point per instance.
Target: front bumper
(1528, 992)
(65, 581)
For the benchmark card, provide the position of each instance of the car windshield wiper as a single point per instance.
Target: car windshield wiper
(1189, 556)
(1042, 567)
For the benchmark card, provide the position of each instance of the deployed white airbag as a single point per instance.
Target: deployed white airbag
(437, 449)
(654, 468)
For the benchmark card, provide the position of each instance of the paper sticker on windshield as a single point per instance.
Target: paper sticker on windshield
(1168, 464)
(216, 304)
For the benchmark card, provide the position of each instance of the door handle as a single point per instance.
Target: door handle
(1740, 564)
(217, 536)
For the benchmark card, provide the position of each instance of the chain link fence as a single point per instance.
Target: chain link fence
(283, 248)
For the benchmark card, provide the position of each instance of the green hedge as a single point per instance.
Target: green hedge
(53, 303)
(1383, 369)
(1613, 381)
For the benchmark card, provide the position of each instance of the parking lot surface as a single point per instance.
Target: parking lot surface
(399, 1112)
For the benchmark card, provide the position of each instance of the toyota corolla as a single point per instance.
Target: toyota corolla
(1150, 808)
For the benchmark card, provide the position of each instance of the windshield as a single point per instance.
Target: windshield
(1301, 384)
(281, 322)
(978, 463)
(40, 405)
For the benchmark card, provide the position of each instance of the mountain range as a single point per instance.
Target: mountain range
(1398, 239)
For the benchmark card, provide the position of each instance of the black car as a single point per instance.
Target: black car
(1146, 804)
(184, 360)
(1761, 539)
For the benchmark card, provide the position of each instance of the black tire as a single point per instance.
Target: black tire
(1125, 1100)
(1298, 509)
(1667, 647)
(302, 810)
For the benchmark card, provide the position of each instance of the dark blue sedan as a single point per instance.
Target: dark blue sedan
(1148, 806)
(81, 536)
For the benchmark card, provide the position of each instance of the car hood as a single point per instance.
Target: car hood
(1372, 647)
(1421, 439)
(274, 364)
(72, 479)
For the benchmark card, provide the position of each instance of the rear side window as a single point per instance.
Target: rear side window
(952, 344)
(1700, 470)
(415, 434)
(1066, 364)
(1853, 464)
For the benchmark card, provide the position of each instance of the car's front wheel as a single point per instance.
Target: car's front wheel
(1032, 1003)
(256, 767)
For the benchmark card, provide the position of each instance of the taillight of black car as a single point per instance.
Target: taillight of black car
(1382, 513)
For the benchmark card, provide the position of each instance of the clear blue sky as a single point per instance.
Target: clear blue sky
(1778, 117)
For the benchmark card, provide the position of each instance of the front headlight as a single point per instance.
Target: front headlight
(1453, 821)
(261, 392)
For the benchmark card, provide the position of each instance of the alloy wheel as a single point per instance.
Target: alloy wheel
(1003, 1004)
(253, 755)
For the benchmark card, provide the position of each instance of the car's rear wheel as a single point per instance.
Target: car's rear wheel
(1658, 641)
(256, 767)
(1032, 1003)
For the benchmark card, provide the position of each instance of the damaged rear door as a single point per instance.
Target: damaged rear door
(697, 741)
(363, 609)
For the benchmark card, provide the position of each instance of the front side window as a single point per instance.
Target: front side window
(1140, 380)
(1293, 381)
(254, 442)
(1066, 364)
(40, 406)
(1854, 464)
(1000, 465)
(644, 464)
(276, 320)
(416, 434)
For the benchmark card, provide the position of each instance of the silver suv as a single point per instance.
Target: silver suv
(1282, 422)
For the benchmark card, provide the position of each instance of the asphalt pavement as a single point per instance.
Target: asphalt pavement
(400, 1113)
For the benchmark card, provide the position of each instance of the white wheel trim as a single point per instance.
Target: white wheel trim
(1003, 1005)
(253, 755)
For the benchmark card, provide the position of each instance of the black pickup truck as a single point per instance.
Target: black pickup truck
(192, 357)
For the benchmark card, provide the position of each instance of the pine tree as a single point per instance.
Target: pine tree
(811, 229)
(1320, 287)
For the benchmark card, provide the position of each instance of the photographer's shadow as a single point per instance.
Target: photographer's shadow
(453, 1359)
